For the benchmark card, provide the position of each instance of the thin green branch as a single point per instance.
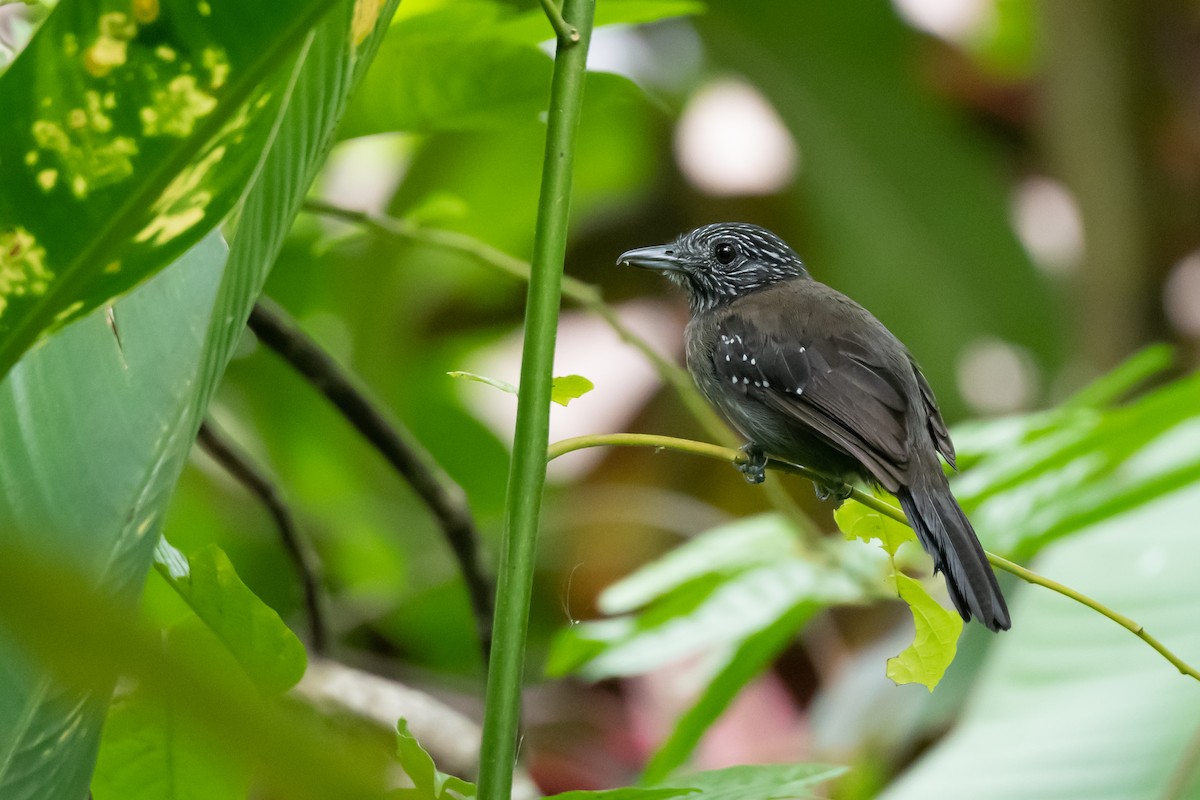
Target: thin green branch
(586, 296)
(527, 470)
(737, 457)
(567, 35)
(583, 294)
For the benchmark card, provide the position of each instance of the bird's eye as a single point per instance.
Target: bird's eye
(724, 252)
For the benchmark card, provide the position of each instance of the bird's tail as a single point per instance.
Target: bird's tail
(946, 534)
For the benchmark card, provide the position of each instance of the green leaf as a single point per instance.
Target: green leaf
(860, 522)
(1080, 466)
(1124, 378)
(937, 629)
(253, 633)
(150, 751)
(128, 134)
(717, 611)
(531, 27)
(1086, 709)
(86, 392)
(935, 642)
(761, 782)
(629, 793)
(428, 782)
(569, 387)
(563, 390)
(138, 388)
(743, 664)
(764, 782)
(473, 65)
(495, 383)
(757, 540)
(437, 78)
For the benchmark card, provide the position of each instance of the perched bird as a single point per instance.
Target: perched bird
(806, 374)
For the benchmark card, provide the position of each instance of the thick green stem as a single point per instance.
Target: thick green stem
(527, 471)
(872, 502)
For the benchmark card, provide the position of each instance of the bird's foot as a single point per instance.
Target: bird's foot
(833, 488)
(754, 468)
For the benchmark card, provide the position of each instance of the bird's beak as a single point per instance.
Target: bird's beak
(661, 257)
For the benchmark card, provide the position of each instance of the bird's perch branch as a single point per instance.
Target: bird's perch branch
(584, 295)
(243, 469)
(441, 495)
(736, 457)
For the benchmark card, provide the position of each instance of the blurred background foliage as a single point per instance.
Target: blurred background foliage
(1012, 186)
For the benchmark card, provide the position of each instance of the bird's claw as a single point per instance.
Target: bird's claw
(754, 468)
(839, 489)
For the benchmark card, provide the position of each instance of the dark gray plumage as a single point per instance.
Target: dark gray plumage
(806, 374)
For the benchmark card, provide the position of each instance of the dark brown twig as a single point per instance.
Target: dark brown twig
(243, 469)
(444, 498)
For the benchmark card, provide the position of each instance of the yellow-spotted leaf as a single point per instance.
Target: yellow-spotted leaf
(129, 130)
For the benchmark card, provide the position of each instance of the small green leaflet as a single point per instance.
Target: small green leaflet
(569, 387)
(428, 783)
(564, 390)
(937, 629)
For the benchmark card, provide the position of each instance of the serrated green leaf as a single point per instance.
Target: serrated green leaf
(857, 521)
(152, 752)
(569, 387)
(935, 642)
(128, 133)
(272, 656)
(937, 629)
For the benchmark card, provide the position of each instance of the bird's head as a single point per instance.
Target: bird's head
(721, 262)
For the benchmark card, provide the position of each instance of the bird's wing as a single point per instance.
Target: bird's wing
(937, 426)
(835, 386)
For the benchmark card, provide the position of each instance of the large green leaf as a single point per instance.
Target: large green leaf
(1038, 481)
(741, 665)
(1069, 705)
(251, 631)
(129, 131)
(96, 424)
(94, 431)
(714, 591)
(150, 751)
